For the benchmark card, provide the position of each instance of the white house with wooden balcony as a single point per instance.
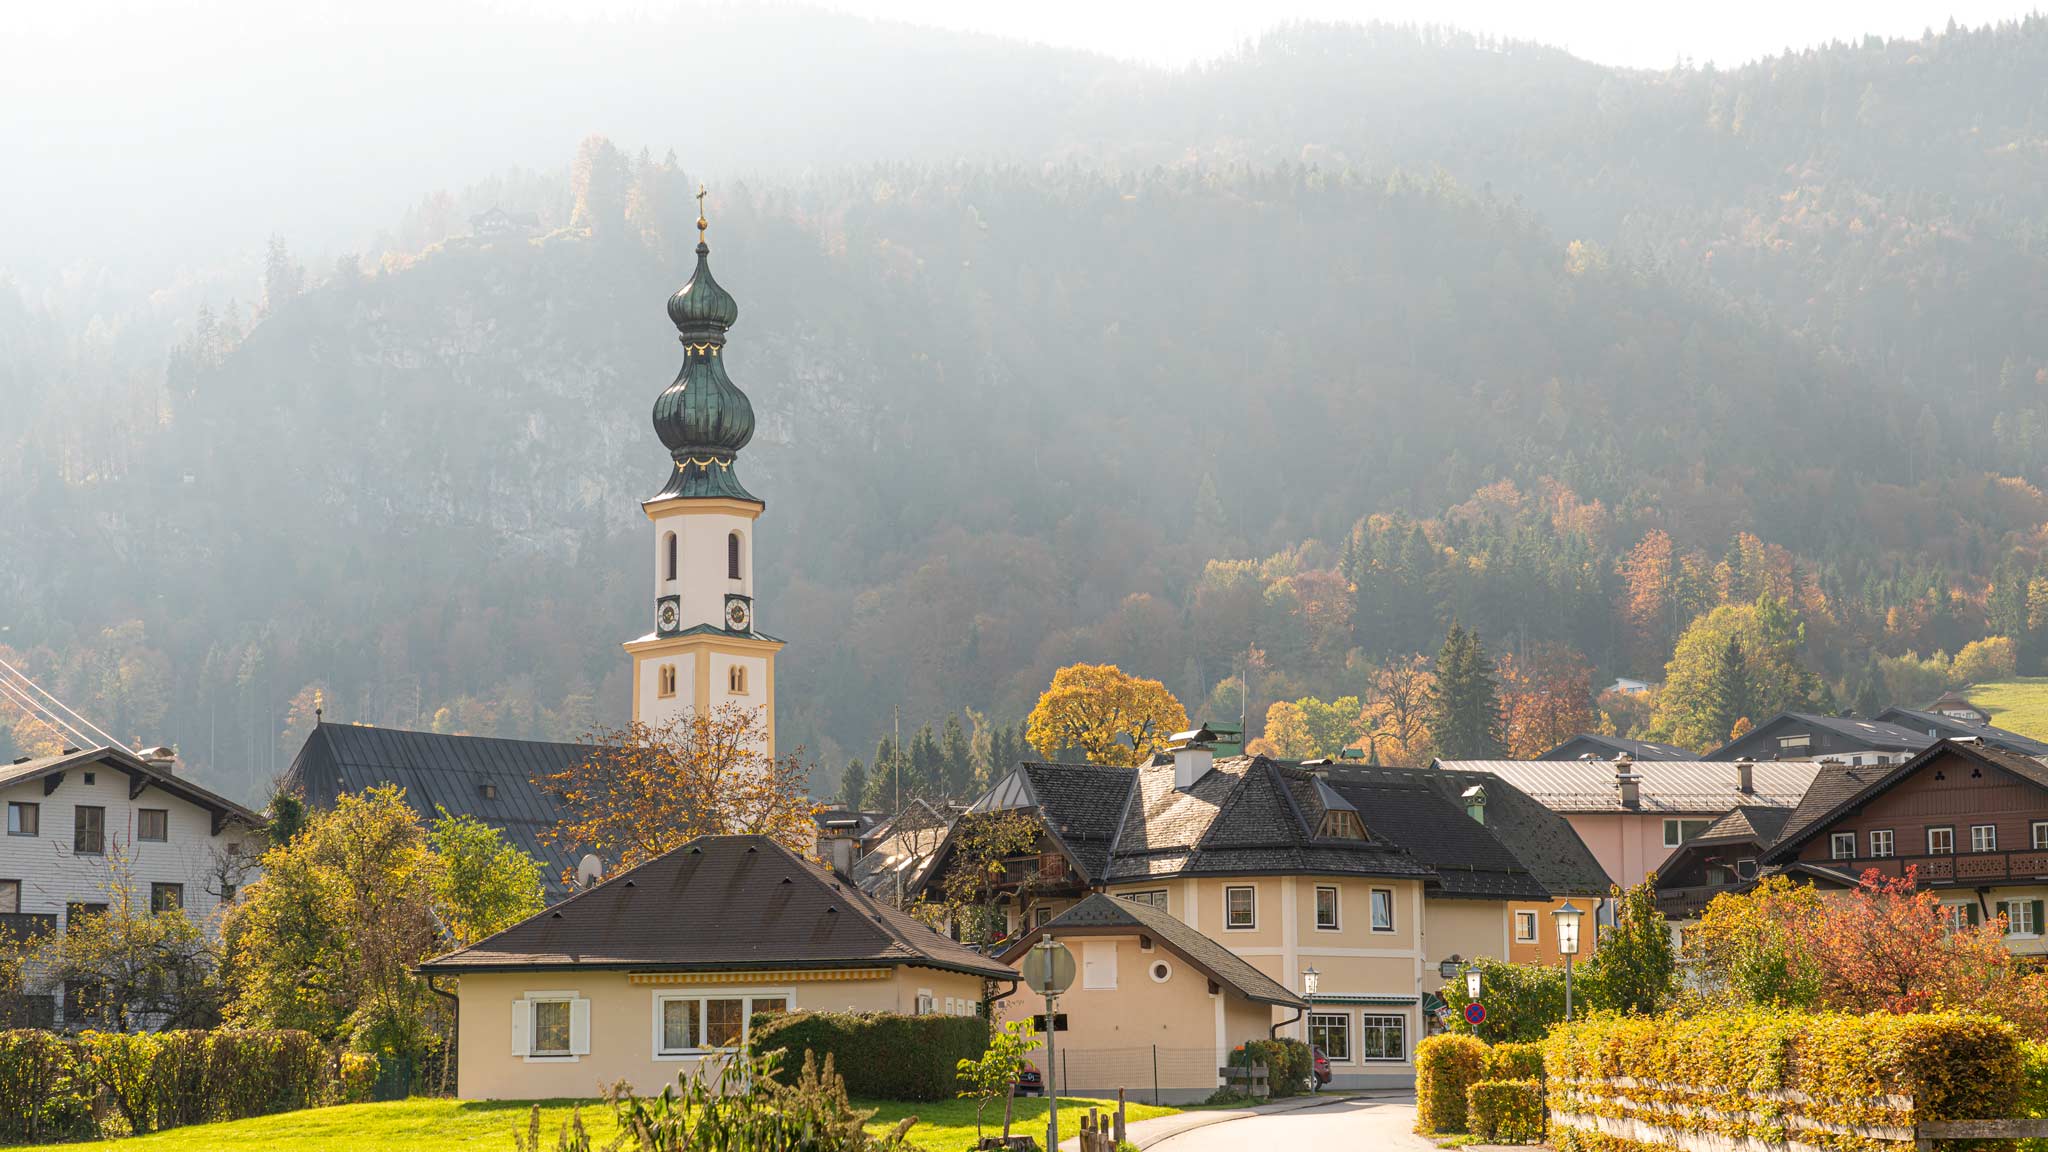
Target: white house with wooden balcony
(86, 822)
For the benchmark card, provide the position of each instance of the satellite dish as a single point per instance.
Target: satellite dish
(589, 870)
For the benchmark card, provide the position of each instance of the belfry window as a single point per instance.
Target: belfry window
(665, 680)
(736, 678)
(668, 556)
(732, 556)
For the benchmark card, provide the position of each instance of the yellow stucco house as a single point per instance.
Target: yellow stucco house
(1379, 879)
(666, 965)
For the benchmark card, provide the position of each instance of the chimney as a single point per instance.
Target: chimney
(1475, 802)
(1193, 757)
(1627, 783)
(1745, 777)
(164, 760)
(839, 841)
(842, 854)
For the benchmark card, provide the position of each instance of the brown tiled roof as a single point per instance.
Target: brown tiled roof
(719, 903)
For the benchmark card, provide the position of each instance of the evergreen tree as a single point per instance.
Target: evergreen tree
(1464, 712)
(1728, 693)
(926, 766)
(958, 759)
(885, 782)
(853, 785)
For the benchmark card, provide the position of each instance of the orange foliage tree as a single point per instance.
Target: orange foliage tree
(1395, 719)
(645, 790)
(1546, 699)
(1107, 714)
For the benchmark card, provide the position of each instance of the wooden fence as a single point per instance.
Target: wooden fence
(1102, 1132)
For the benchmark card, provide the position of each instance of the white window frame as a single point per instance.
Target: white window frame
(1373, 914)
(1841, 846)
(13, 887)
(1674, 830)
(1525, 916)
(1885, 848)
(1155, 897)
(1159, 969)
(1336, 923)
(1988, 842)
(2019, 918)
(1375, 1021)
(748, 995)
(526, 1008)
(2040, 835)
(1342, 1021)
(1946, 850)
(1230, 915)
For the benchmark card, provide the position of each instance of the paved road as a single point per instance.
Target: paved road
(1350, 1126)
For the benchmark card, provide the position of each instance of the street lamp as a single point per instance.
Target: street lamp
(1567, 918)
(1310, 980)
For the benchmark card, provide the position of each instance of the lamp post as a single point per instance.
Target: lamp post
(1310, 980)
(1567, 918)
(1472, 984)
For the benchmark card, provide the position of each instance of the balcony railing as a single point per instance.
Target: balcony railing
(1685, 903)
(1959, 868)
(19, 926)
(1044, 871)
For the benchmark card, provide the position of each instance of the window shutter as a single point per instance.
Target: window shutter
(579, 1027)
(522, 1027)
(1973, 913)
(2006, 912)
(2037, 915)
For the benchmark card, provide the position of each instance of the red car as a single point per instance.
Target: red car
(1322, 1067)
(1029, 1082)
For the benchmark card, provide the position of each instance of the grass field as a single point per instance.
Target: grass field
(2017, 705)
(487, 1126)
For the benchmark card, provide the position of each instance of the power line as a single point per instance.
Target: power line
(56, 724)
(57, 709)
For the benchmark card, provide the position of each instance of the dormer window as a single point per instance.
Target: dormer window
(1341, 825)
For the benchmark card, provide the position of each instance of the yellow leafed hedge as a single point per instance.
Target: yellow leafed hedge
(1843, 1083)
(1446, 1067)
(1506, 1111)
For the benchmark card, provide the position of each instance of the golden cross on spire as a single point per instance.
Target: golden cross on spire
(701, 223)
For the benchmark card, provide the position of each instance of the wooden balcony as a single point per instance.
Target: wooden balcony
(20, 926)
(1954, 869)
(1042, 872)
(1686, 903)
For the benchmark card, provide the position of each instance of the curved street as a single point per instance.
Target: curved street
(1361, 1122)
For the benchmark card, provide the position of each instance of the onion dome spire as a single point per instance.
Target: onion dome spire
(703, 418)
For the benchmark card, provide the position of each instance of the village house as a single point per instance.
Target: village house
(665, 965)
(1726, 857)
(1807, 736)
(1954, 718)
(1595, 746)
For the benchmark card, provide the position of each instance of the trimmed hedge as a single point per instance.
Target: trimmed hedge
(1446, 1067)
(1514, 1062)
(45, 1092)
(1290, 1066)
(882, 1055)
(1506, 1111)
(1772, 1077)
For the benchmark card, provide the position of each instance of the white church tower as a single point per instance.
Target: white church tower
(704, 651)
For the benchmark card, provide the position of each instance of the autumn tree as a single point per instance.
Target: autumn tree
(1728, 695)
(643, 790)
(1633, 969)
(1768, 635)
(974, 884)
(1464, 712)
(1395, 719)
(1308, 728)
(132, 965)
(1545, 699)
(481, 883)
(1109, 716)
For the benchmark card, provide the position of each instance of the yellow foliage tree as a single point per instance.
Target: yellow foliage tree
(1103, 712)
(1287, 734)
(645, 790)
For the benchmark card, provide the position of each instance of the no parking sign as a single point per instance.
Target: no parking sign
(1475, 1013)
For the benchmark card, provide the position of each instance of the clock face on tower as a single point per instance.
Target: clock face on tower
(668, 615)
(739, 614)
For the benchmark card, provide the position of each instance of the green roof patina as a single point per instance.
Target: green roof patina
(703, 418)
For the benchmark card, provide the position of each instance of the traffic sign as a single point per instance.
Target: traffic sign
(1475, 1013)
(1049, 968)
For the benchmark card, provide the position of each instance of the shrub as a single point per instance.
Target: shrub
(1773, 1078)
(882, 1055)
(1522, 1001)
(1506, 1111)
(357, 1079)
(254, 1073)
(44, 1092)
(119, 1065)
(177, 1079)
(749, 1106)
(1445, 1068)
(1289, 1064)
(1514, 1062)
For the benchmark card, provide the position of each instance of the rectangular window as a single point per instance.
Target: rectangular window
(1241, 907)
(24, 819)
(10, 896)
(1983, 837)
(1881, 843)
(166, 897)
(1156, 898)
(1332, 1034)
(79, 910)
(1383, 909)
(1677, 831)
(1842, 846)
(89, 830)
(682, 1025)
(725, 1021)
(1041, 916)
(2040, 834)
(1941, 841)
(1098, 964)
(550, 1028)
(1326, 907)
(2022, 917)
(152, 824)
(1525, 927)
(1956, 917)
(1383, 1037)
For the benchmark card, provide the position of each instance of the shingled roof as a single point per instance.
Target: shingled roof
(1937, 725)
(1401, 806)
(480, 776)
(1101, 915)
(141, 773)
(719, 903)
(1542, 840)
(1749, 823)
(1842, 787)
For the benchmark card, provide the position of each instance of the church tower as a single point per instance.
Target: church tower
(704, 651)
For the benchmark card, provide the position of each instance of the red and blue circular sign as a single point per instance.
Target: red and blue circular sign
(1475, 1013)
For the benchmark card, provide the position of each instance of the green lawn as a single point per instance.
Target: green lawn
(2017, 705)
(487, 1126)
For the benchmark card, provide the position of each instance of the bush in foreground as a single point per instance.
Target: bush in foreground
(881, 1055)
(1506, 1111)
(1446, 1067)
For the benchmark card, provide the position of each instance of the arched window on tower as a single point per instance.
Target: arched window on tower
(665, 681)
(736, 679)
(732, 556)
(668, 556)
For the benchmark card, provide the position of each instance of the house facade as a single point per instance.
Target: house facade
(1376, 878)
(665, 966)
(1967, 820)
(1727, 857)
(87, 823)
